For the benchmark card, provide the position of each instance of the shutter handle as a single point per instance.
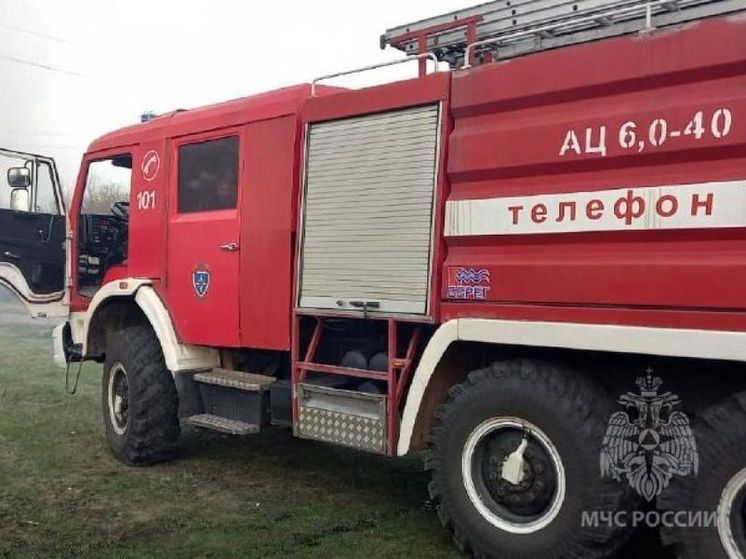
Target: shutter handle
(366, 306)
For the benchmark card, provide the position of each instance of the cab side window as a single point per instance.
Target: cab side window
(208, 175)
(45, 197)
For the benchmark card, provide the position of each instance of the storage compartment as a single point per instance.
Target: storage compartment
(368, 212)
(342, 417)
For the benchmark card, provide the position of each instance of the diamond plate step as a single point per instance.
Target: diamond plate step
(217, 423)
(235, 379)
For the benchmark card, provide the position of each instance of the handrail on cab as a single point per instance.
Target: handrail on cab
(426, 55)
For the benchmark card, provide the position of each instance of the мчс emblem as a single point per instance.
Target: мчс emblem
(650, 442)
(201, 280)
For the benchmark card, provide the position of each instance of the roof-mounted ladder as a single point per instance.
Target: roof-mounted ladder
(510, 28)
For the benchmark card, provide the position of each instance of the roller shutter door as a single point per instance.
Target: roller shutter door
(368, 211)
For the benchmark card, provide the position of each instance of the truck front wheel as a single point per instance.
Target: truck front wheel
(515, 460)
(140, 402)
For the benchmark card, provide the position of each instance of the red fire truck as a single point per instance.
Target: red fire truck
(526, 265)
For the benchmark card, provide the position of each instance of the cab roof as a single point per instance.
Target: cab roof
(181, 122)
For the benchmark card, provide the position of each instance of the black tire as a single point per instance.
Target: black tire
(572, 413)
(144, 429)
(720, 433)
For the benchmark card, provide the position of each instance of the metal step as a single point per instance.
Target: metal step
(524, 26)
(239, 380)
(217, 423)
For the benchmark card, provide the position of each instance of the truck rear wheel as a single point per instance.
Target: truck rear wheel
(501, 504)
(719, 488)
(140, 402)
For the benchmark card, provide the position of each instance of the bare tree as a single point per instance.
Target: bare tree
(99, 197)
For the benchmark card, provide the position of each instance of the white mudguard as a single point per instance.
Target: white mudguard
(704, 344)
(179, 357)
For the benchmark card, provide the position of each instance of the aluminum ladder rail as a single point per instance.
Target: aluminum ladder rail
(506, 29)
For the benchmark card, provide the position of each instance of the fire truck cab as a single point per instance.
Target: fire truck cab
(475, 262)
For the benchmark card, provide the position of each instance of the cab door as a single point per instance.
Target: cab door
(32, 232)
(203, 238)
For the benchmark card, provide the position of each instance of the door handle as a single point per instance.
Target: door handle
(11, 255)
(229, 247)
(366, 306)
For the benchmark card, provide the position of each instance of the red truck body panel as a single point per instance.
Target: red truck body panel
(511, 121)
(619, 162)
(267, 233)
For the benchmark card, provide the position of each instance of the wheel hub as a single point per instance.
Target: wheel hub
(521, 503)
(533, 493)
(118, 398)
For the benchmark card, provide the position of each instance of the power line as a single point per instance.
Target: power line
(26, 134)
(81, 149)
(34, 146)
(37, 34)
(42, 66)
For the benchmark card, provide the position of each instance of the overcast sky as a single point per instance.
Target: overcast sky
(75, 69)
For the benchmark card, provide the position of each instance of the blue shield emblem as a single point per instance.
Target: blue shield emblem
(201, 282)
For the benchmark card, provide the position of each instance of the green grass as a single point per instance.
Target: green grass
(63, 495)
(268, 495)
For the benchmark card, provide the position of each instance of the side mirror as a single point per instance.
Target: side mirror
(19, 177)
(19, 199)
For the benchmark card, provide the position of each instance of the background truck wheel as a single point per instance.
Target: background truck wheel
(720, 433)
(495, 510)
(140, 402)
